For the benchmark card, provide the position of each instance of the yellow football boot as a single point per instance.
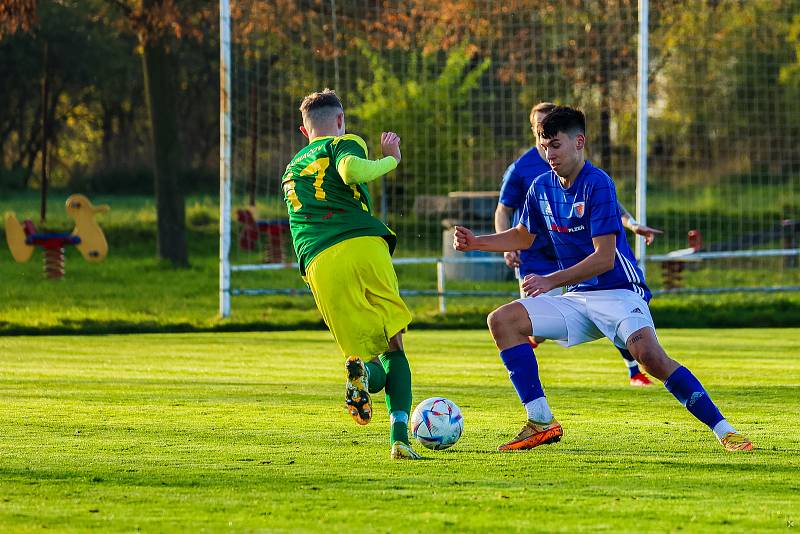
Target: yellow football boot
(403, 451)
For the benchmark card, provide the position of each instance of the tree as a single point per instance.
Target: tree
(158, 25)
(428, 104)
(84, 64)
(728, 111)
(159, 84)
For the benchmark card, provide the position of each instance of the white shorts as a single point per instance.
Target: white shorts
(578, 317)
(555, 292)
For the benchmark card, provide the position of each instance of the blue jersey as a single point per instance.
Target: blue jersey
(540, 258)
(572, 217)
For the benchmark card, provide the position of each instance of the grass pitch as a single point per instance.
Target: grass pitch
(195, 432)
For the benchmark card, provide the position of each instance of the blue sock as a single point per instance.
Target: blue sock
(690, 392)
(630, 361)
(523, 371)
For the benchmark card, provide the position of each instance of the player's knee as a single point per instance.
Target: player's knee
(494, 322)
(396, 342)
(506, 320)
(640, 351)
(647, 351)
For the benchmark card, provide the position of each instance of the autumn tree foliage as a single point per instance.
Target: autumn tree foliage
(16, 15)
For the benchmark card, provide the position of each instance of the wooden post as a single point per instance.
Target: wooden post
(440, 286)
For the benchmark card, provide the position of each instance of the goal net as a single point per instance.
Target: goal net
(457, 78)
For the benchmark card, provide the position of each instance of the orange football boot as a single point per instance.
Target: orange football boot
(733, 441)
(534, 434)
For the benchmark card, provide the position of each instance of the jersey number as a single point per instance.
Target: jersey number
(317, 167)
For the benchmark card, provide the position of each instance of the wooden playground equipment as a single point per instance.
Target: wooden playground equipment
(672, 270)
(786, 231)
(87, 237)
(272, 235)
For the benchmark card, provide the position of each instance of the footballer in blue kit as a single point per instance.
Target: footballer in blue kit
(576, 206)
(572, 217)
(541, 258)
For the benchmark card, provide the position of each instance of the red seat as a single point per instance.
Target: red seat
(248, 233)
(275, 231)
(30, 228)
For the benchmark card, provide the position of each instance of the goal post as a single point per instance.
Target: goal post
(643, 79)
(224, 157)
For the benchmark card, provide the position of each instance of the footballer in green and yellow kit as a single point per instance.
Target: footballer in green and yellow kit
(344, 253)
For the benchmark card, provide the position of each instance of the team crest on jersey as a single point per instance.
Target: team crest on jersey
(578, 208)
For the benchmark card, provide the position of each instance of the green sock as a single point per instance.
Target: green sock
(398, 393)
(377, 377)
(399, 431)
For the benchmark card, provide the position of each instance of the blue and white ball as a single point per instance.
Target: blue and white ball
(437, 423)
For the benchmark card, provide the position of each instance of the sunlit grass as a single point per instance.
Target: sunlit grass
(242, 431)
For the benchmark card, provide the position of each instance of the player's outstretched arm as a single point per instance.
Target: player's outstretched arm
(516, 238)
(631, 224)
(646, 231)
(355, 170)
(502, 222)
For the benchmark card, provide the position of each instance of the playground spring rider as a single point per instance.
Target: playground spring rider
(87, 237)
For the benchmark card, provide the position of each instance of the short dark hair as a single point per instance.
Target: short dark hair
(542, 107)
(321, 105)
(565, 119)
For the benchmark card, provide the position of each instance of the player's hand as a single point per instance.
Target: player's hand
(534, 285)
(464, 239)
(512, 259)
(648, 233)
(390, 144)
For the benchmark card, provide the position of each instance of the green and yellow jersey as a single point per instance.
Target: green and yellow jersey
(324, 190)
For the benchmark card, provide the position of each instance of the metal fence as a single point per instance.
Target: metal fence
(704, 109)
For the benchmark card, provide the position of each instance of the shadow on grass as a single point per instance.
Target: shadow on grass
(116, 326)
(780, 314)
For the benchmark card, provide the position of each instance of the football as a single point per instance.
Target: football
(437, 423)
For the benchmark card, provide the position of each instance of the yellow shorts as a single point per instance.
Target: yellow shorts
(356, 290)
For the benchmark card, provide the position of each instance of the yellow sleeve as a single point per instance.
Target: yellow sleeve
(355, 170)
